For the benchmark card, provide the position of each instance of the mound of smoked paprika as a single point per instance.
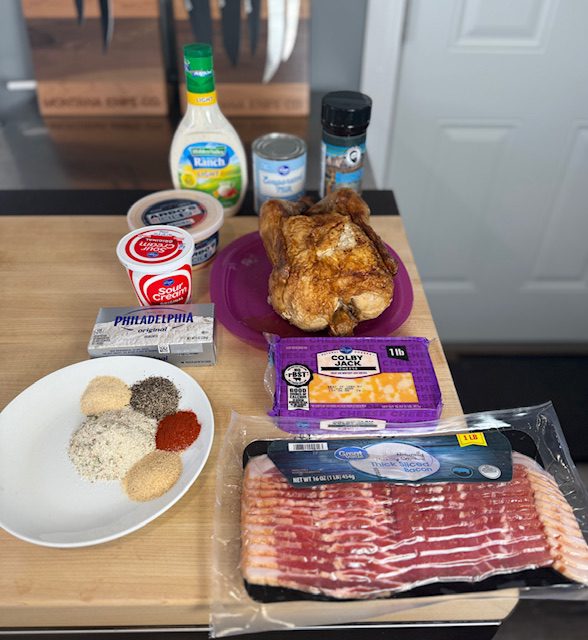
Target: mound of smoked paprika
(177, 432)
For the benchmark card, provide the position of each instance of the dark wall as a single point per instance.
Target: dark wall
(336, 43)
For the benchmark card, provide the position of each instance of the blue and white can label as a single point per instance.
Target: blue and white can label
(283, 179)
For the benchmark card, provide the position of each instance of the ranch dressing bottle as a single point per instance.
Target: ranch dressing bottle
(206, 153)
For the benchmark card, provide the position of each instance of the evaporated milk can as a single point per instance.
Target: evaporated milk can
(279, 167)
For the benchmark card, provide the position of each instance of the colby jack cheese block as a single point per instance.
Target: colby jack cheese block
(374, 380)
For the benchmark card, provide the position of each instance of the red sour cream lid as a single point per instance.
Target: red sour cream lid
(155, 247)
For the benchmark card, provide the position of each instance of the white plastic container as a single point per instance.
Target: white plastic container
(206, 152)
(196, 212)
(158, 260)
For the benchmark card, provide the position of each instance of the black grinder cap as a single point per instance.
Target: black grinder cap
(346, 113)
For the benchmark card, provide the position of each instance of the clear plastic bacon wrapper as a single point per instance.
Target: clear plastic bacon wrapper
(334, 527)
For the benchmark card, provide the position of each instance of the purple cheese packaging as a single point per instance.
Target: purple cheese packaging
(351, 383)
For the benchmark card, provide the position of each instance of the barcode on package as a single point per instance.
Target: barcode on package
(308, 446)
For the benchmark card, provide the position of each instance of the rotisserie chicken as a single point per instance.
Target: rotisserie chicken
(330, 268)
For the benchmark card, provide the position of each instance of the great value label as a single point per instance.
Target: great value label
(399, 460)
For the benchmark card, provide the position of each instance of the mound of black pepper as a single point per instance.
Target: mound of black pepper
(155, 396)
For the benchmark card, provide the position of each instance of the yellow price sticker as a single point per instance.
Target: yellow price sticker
(467, 439)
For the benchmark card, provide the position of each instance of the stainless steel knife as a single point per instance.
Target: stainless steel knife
(276, 29)
(200, 19)
(253, 21)
(80, 10)
(292, 17)
(106, 22)
(231, 26)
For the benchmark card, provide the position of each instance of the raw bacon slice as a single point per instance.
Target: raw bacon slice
(362, 540)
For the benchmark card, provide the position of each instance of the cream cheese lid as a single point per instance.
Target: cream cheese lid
(198, 213)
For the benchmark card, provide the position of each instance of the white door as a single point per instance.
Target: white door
(489, 163)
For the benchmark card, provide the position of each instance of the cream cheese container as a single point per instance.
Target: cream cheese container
(198, 213)
(181, 334)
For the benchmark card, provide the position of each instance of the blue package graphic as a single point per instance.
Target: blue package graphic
(475, 457)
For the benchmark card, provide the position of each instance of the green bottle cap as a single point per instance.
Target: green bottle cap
(198, 68)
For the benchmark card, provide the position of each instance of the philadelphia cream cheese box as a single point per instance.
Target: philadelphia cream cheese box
(181, 334)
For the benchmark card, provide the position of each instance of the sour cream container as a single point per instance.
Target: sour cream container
(158, 260)
(279, 167)
(198, 213)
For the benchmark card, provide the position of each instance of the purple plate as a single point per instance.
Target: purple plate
(239, 289)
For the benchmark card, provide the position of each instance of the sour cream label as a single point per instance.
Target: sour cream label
(155, 247)
(169, 288)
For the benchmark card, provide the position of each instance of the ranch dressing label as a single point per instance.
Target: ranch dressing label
(212, 167)
(397, 460)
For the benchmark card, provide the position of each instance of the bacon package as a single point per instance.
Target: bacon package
(334, 528)
(352, 383)
(376, 539)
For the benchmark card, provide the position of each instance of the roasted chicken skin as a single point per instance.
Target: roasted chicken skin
(330, 268)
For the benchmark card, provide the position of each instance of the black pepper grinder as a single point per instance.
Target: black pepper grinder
(345, 116)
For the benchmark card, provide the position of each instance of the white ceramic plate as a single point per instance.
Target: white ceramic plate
(42, 498)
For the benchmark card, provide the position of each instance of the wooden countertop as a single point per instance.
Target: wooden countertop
(56, 273)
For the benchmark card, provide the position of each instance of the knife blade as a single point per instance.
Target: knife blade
(200, 19)
(292, 16)
(231, 26)
(80, 10)
(253, 19)
(276, 28)
(106, 23)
